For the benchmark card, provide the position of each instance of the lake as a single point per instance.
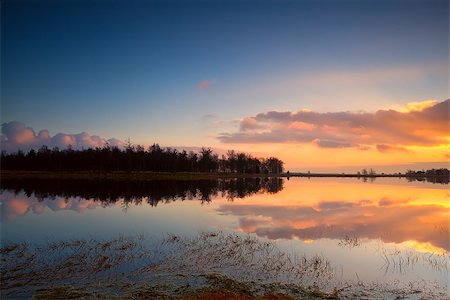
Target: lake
(383, 234)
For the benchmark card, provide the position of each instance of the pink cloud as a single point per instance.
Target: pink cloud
(15, 136)
(203, 84)
(301, 126)
(14, 206)
(250, 124)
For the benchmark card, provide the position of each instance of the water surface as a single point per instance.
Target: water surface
(388, 230)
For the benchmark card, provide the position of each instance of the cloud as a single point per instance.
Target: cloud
(323, 143)
(418, 106)
(324, 205)
(250, 124)
(419, 124)
(209, 118)
(203, 84)
(15, 136)
(386, 148)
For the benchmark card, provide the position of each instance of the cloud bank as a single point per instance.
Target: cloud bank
(17, 136)
(418, 124)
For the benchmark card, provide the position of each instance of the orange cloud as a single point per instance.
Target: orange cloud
(423, 124)
(418, 106)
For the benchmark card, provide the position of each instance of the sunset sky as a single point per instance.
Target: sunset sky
(323, 85)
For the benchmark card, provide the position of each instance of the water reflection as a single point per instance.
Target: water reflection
(345, 211)
(425, 224)
(342, 210)
(78, 195)
(16, 205)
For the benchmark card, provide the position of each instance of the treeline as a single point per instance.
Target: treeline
(137, 158)
(432, 175)
(136, 191)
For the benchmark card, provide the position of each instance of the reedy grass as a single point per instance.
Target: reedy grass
(203, 266)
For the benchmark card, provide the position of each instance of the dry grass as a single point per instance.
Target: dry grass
(400, 261)
(245, 257)
(228, 295)
(350, 241)
(64, 292)
(210, 265)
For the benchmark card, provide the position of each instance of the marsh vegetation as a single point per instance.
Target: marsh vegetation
(181, 267)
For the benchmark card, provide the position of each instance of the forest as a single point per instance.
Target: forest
(137, 158)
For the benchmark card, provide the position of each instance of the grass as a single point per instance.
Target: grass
(217, 288)
(64, 292)
(397, 261)
(159, 292)
(400, 261)
(209, 265)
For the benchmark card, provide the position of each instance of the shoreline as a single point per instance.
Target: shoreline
(145, 175)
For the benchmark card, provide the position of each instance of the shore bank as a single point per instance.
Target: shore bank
(136, 175)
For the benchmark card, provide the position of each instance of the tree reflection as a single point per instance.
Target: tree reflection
(136, 191)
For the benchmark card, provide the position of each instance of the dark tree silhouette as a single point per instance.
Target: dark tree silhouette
(136, 158)
(433, 175)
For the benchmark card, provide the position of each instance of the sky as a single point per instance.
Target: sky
(323, 85)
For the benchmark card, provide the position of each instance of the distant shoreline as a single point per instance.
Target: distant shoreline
(145, 175)
(136, 175)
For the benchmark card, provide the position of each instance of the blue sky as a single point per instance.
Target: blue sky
(133, 68)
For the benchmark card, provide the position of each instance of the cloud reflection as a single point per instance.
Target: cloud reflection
(386, 219)
(16, 205)
(25, 194)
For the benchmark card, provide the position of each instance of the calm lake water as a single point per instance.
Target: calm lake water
(388, 230)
